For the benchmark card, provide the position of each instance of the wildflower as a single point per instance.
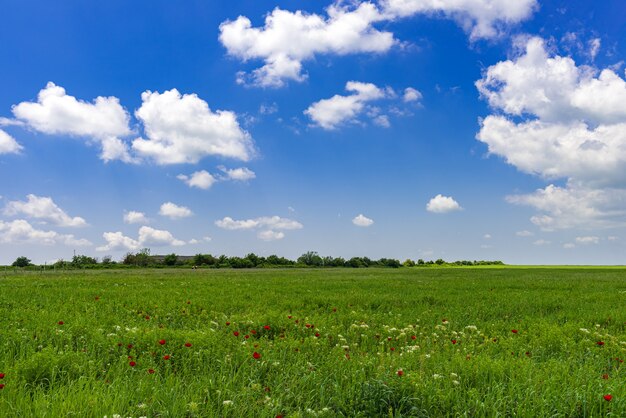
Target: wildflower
(1, 385)
(150, 371)
(246, 336)
(267, 327)
(227, 403)
(256, 355)
(400, 372)
(605, 376)
(317, 334)
(1, 375)
(514, 331)
(236, 333)
(456, 382)
(253, 332)
(289, 316)
(413, 337)
(227, 323)
(600, 343)
(132, 364)
(585, 330)
(608, 398)
(437, 376)
(129, 346)
(166, 357)
(162, 342)
(60, 322)
(187, 344)
(147, 317)
(393, 349)
(453, 341)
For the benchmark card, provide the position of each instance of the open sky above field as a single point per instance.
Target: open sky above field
(455, 129)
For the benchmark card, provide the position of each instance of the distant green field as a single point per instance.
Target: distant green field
(334, 342)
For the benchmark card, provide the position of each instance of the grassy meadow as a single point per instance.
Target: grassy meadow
(423, 342)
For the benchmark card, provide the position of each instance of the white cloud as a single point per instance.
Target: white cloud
(481, 18)
(587, 240)
(20, 231)
(43, 208)
(270, 235)
(103, 121)
(273, 222)
(560, 121)
(362, 221)
(173, 211)
(183, 129)
(147, 237)
(487, 236)
(442, 204)
(134, 217)
(612, 238)
(569, 245)
(200, 179)
(541, 242)
(238, 174)
(289, 38)
(329, 113)
(411, 95)
(524, 233)
(8, 144)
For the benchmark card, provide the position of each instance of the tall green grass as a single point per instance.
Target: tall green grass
(370, 342)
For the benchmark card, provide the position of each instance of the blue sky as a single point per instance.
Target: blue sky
(460, 129)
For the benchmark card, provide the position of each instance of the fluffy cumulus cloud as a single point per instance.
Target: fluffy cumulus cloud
(272, 226)
(442, 204)
(134, 217)
(587, 240)
(148, 237)
(330, 113)
(481, 18)
(362, 221)
(43, 209)
(238, 174)
(201, 179)
(21, 231)
(55, 112)
(289, 38)
(173, 211)
(8, 144)
(411, 95)
(181, 128)
(559, 120)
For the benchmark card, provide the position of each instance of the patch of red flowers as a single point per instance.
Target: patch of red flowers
(166, 357)
(514, 331)
(600, 343)
(187, 344)
(256, 355)
(132, 364)
(162, 342)
(608, 398)
(236, 333)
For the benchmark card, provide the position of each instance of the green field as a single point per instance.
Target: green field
(333, 342)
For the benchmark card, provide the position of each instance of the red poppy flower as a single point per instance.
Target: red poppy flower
(453, 341)
(413, 337)
(129, 346)
(246, 336)
(256, 355)
(514, 331)
(279, 416)
(1, 386)
(60, 322)
(150, 371)
(600, 343)
(266, 327)
(388, 338)
(1, 375)
(227, 323)
(334, 309)
(317, 334)
(605, 376)
(162, 342)
(236, 333)
(97, 297)
(393, 349)
(132, 364)
(608, 398)
(400, 372)
(289, 316)
(166, 357)
(253, 332)
(147, 317)
(187, 344)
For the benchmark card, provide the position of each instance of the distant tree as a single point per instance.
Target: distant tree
(83, 260)
(440, 262)
(170, 259)
(21, 262)
(310, 258)
(107, 259)
(204, 260)
(408, 263)
(420, 262)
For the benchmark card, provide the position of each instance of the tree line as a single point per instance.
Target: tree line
(143, 258)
